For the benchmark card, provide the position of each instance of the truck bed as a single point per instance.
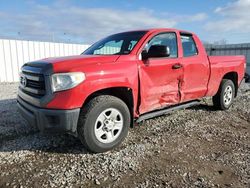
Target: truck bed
(220, 65)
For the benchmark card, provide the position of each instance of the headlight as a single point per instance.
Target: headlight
(64, 81)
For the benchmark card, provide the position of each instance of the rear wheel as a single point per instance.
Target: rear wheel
(103, 123)
(225, 96)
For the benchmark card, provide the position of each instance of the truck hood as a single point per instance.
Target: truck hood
(82, 58)
(70, 63)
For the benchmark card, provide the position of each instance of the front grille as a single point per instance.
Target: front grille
(32, 83)
(35, 84)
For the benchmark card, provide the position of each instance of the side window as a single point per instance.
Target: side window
(167, 39)
(188, 45)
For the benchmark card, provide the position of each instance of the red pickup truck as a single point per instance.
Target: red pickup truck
(126, 77)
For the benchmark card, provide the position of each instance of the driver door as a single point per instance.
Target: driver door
(160, 77)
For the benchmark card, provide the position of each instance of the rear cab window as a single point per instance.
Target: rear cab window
(188, 45)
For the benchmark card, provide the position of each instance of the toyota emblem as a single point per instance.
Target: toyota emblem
(23, 81)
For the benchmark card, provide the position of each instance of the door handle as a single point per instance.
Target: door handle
(176, 66)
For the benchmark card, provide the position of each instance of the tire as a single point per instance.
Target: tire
(103, 123)
(225, 96)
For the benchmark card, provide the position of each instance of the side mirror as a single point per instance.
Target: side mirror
(156, 51)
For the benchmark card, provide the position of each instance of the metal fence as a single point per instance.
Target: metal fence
(14, 53)
(231, 49)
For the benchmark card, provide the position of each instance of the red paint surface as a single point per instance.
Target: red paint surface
(154, 81)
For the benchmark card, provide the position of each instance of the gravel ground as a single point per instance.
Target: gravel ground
(196, 147)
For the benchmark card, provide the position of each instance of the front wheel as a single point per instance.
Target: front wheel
(225, 96)
(103, 123)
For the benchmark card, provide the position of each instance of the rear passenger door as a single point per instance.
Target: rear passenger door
(195, 68)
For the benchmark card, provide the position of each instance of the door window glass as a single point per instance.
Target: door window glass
(166, 39)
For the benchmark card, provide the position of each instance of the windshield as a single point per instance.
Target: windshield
(118, 44)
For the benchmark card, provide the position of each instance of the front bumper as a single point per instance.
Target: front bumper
(46, 119)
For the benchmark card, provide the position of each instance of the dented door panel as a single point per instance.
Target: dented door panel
(159, 84)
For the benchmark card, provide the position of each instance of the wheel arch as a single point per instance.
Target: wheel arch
(123, 93)
(233, 76)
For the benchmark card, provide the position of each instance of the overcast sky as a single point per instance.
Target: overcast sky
(85, 21)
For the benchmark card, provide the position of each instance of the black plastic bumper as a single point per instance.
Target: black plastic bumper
(45, 119)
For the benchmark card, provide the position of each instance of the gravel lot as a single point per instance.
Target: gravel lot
(197, 147)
